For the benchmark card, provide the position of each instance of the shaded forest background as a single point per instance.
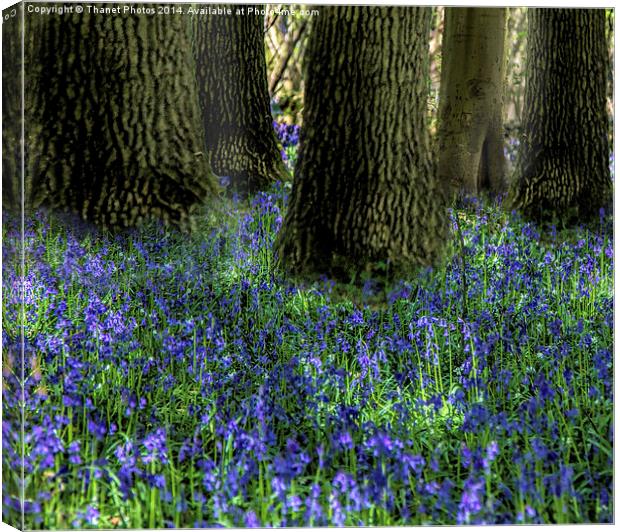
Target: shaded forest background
(286, 38)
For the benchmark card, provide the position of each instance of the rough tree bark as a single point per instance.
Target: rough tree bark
(12, 29)
(562, 166)
(364, 191)
(113, 132)
(470, 136)
(232, 81)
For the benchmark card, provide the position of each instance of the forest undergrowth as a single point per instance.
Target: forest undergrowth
(175, 381)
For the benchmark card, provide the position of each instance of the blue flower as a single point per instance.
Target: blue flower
(74, 452)
(251, 520)
(471, 500)
(155, 448)
(492, 451)
(90, 515)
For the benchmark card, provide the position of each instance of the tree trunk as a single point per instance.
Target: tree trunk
(232, 81)
(365, 194)
(114, 132)
(563, 162)
(12, 30)
(470, 137)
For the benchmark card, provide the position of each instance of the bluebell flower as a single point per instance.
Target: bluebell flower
(344, 440)
(90, 515)
(529, 512)
(155, 448)
(471, 500)
(251, 520)
(338, 513)
(314, 515)
(492, 451)
(74, 452)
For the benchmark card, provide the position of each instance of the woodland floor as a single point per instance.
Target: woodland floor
(183, 381)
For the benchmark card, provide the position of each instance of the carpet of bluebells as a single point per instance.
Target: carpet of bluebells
(175, 381)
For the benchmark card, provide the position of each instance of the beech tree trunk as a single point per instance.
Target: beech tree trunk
(365, 195)
(113, 130)
(471, 136)
(234, 97)
(562, 166)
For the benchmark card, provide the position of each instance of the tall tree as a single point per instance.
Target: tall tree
(470, 136)
(232, 81)
(563, 161)
(113, 132)
(364, 191)
(12, 30)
